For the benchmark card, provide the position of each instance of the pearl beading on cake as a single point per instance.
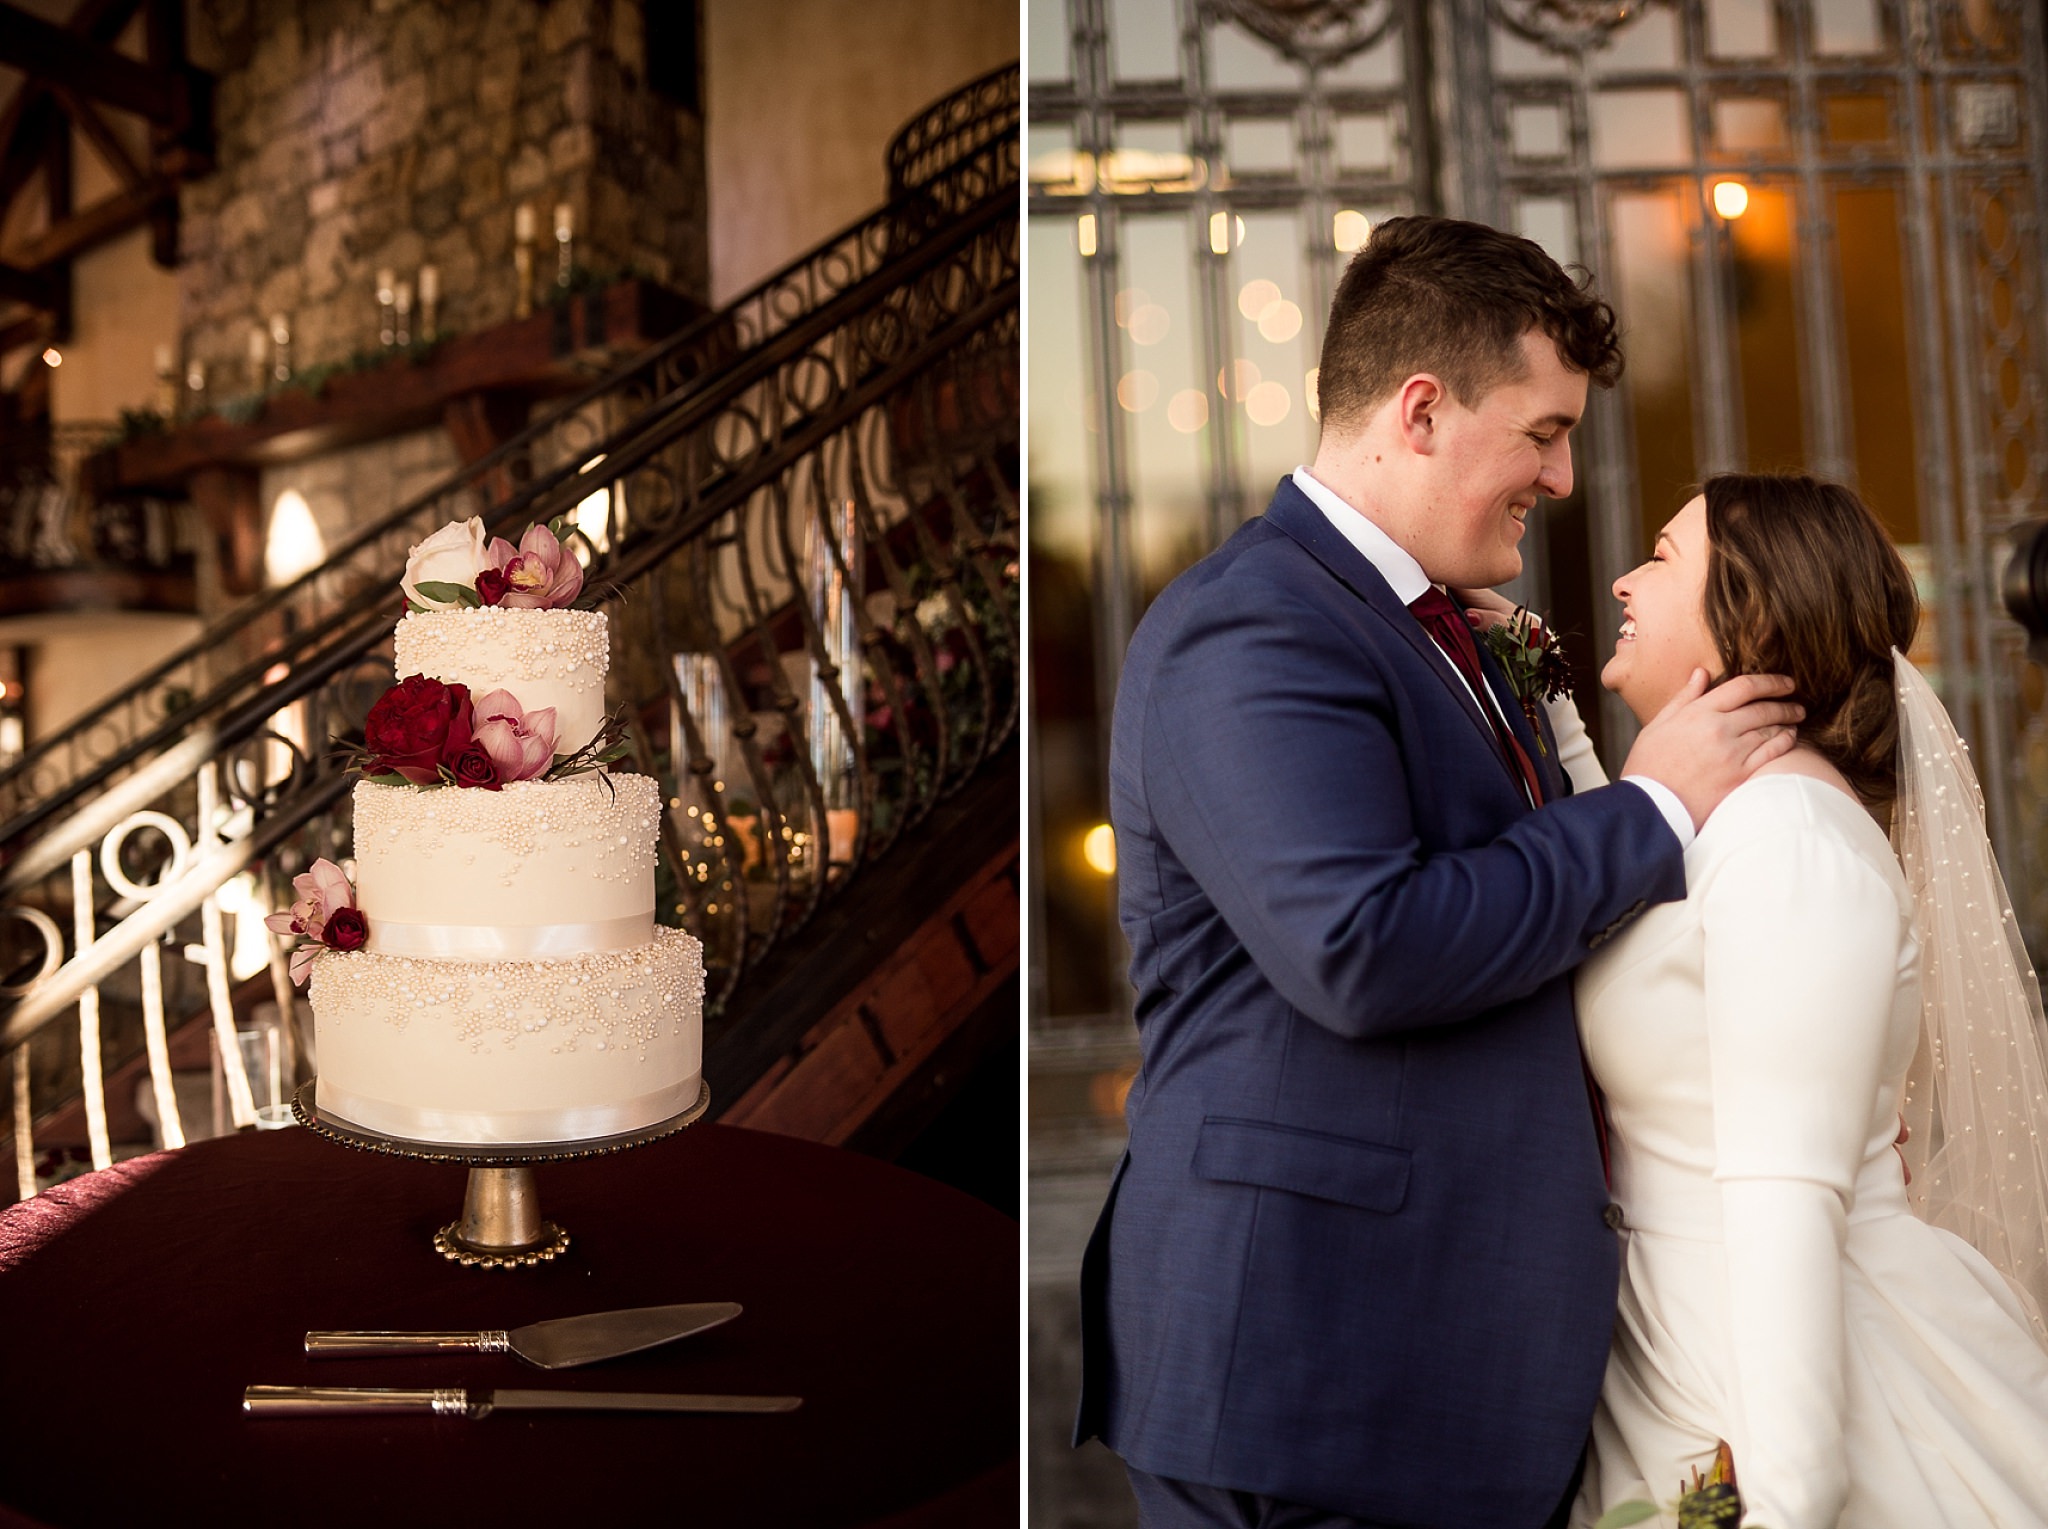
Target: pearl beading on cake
(554, 645)
(615, 818)
(604, 1001)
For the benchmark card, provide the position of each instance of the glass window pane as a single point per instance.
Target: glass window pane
(1375, 67)
(1273, 343)
(1762, 286)
(1550, 221)
(1152, 156)
(1876, 308)
(1847, 27)
(1062, 421)
(1074, 906)
(1652, 293)
(1365, 143)
(1053, 165)
(1163, 395)
(1982, 27)
(1749, 125)
(1240, 61)
(1049, 40)
(1649, 41)
(1259, 145)
(1741, 28)
(1853, 119)
(1640, 128)
(1537, 130)
(1515, 57)
(1144, 39)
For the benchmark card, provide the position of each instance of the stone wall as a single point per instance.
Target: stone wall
(356, 135)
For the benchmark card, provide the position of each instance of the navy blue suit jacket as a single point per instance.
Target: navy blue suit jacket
(1356, 1254)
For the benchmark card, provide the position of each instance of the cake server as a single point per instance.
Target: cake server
(558, 1344)
(450, 1401)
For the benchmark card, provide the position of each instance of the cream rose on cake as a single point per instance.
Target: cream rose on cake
(444, 565)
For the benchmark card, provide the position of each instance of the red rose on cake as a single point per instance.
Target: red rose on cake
(416, 727)
(325, 915)
(473, 767)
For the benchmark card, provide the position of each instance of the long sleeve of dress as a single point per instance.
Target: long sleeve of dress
(1575, 754)
(1800, 963)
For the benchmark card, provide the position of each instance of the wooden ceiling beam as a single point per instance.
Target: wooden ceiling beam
(23, 155)
(31, 287)
(60, 56)
(29, 331)
(100, 133)
(100, 20)
(94, 225)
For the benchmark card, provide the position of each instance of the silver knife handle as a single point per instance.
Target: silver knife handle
(321, 1401)
(333, 1345)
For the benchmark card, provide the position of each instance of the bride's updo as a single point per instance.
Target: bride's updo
(1803, 581)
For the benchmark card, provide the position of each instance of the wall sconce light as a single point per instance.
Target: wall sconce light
(1731, 199)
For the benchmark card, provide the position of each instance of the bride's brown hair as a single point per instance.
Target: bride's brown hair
(1803, 581)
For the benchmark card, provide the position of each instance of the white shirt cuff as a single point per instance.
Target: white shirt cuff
(1667, 803)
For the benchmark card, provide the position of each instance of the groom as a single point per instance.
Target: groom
(1358, 1266)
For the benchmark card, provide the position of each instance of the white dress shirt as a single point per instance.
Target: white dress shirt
(1405, 577)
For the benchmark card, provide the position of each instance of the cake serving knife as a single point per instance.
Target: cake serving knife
(558, 1344)
(450, 1401)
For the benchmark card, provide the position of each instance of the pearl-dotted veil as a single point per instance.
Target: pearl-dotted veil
(1976, 1098)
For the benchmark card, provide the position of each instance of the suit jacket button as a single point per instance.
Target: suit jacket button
(1613, 1217)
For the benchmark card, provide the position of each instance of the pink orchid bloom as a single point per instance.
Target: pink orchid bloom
(521, 743)
(541, 574)
(323, 891)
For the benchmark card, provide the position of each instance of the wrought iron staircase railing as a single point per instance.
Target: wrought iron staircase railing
(804, 513)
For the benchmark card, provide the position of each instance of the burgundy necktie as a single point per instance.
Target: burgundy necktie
(1445, 622)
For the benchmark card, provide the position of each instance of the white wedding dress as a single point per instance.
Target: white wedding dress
(1868, 1370)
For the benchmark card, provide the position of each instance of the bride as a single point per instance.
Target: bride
(1872, 1355)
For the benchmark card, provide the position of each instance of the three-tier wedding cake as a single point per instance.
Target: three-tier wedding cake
(496, 974)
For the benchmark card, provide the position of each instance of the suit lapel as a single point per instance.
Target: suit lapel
(1294, 513)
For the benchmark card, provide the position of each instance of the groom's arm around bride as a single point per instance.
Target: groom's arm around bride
(1357, 1256)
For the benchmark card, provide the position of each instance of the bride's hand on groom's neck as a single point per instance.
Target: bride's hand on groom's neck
(1707, 741)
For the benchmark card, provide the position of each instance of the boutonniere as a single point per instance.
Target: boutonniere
(1533, 659)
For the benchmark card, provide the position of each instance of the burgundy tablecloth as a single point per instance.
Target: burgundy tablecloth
(136, 1303)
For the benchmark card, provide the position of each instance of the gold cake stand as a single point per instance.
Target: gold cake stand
(501, 1226)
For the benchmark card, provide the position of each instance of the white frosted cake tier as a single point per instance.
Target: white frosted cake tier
(537, 868)
(511, 1052)
(545, 658)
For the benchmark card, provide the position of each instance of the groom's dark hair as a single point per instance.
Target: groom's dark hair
(1453, 298)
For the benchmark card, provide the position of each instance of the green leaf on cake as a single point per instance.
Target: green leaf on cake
(450, 594)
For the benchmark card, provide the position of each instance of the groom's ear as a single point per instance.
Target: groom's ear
(1417, 408)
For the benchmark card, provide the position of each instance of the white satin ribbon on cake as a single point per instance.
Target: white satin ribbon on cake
(506, 1127)
(508, 942)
